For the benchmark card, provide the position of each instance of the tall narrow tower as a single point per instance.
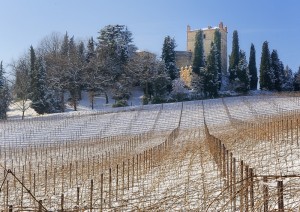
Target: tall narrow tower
(208, 38)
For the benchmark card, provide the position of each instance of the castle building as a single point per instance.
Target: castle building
(184, 59)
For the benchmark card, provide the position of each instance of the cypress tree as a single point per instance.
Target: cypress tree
(211, 83)
(32, 73)
(253, 69)
(234, 57)
(198, 61)
(242, 73)
(278, 70)
(168, 56)
(217, 42)
(266, 73)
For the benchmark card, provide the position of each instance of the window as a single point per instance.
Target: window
(204, 36)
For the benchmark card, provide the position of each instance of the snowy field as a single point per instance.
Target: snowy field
(153, 157)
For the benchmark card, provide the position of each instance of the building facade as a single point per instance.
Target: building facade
(185, 58)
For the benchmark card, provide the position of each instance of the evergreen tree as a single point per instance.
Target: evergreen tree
(197, 83)
(90, 50)
(267, 77)
(1, 75)
(64, 49)
(81, 60)
(61, 77)
(296, 81)
(199, 60)
(32, 67)
(116, 40)
(33, 74)
(74, 71)
(116, 48)
(42, 101)
(288, 79)
(160, 83)
(278, 70)
(234, 57)
(93, 75)
(168, 56)
(211, 75)
(253, 69)
(217, 42)
(4, 94)
(242, 80)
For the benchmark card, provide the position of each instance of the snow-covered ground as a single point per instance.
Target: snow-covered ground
(57, 154)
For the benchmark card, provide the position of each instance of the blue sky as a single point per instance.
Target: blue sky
(27, 22)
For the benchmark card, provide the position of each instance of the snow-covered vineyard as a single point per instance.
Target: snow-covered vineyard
(231, 154)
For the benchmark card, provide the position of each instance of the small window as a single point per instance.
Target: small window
(204, 36)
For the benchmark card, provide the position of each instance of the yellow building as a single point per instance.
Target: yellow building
(185, 58)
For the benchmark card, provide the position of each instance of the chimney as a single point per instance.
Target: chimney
(221, 25)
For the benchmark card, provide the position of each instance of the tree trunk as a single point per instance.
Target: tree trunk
(106, 98)
(92, 96)
(62, 101)
(23, 108)
(75, 103)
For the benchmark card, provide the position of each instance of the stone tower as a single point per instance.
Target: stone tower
(208, 38)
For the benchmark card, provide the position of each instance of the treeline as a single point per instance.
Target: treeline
(60, 68)
(210, 79)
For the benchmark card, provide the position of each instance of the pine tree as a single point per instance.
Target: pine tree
(64, 49)
(4, 94)
(198, 61)
(234, 57)
(296, 81)
(90, 50)
(116, 48)
(91, 73)
(278, 70)
(211, 83)
(253, 69)
(62, 77)
(74, 69)
(288, 79)
(267, 77)
(116, 40)
(42, 101)
(168, 56)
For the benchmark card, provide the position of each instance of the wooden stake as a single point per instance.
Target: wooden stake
(280, 196)
(266, 194)
(91, 195)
